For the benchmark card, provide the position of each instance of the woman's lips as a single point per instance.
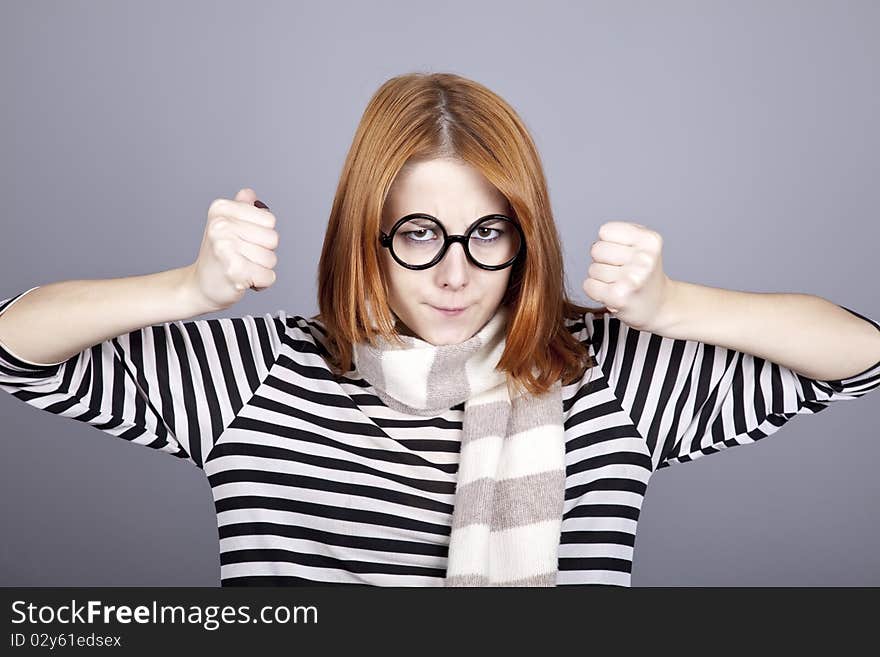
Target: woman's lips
(450, 313)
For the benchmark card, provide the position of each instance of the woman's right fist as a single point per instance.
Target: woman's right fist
(237, 251)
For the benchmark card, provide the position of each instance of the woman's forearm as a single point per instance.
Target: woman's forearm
(52, 323)
(806, 333)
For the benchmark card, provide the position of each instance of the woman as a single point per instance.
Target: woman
(449, 417)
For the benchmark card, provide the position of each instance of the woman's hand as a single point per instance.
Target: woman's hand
(627, 275)
(237, 251)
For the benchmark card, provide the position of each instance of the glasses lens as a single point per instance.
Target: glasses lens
(493, 242)
(417, 241)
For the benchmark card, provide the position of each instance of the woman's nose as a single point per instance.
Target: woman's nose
(453, 267)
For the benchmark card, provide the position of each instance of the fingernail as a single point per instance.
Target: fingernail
(260, 204)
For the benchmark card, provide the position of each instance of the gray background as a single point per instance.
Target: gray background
(744, 132)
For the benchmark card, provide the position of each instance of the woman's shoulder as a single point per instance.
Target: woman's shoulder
(290, 322)
(584, 325)
(300, 328)
(308, 325)
(301, 333)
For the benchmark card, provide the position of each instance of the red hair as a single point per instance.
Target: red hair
(419, 116)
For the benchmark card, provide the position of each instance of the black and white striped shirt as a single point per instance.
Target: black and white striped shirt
(315, 480)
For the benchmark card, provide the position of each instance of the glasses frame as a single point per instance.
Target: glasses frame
(387, 239)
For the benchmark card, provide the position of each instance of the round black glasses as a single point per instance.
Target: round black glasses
(419, 241)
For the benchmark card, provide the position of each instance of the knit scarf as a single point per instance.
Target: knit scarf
(509, 495)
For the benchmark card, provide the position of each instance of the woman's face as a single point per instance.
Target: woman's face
(455, 193)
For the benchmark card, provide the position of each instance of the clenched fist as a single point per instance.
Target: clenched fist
(627, 275)
(237, 251)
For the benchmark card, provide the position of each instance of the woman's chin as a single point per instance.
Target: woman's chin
(440, 336)
(438, 330)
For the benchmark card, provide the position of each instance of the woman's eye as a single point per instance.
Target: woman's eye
(420, 234)
(482, 234)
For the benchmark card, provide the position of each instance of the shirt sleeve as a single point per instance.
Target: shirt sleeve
(689, 398)
(173, 387)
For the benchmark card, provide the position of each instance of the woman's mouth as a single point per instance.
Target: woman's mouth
(450, 312)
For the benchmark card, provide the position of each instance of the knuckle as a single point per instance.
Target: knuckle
(233, 269)
(218, 205)
(218, 226)
(645, 258)
(220, 247)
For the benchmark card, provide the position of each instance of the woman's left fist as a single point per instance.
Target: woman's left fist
(627, 275)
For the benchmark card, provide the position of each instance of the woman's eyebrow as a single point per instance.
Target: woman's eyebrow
(428, 214)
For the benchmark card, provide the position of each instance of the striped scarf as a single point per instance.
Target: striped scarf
(507, 512)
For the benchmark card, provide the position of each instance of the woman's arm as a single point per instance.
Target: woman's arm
(51, 323)
(805, 333)
(801, 332)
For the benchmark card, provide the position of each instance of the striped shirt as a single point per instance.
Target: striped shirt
(316, 481)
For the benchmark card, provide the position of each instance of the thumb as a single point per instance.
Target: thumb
(246, 195)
